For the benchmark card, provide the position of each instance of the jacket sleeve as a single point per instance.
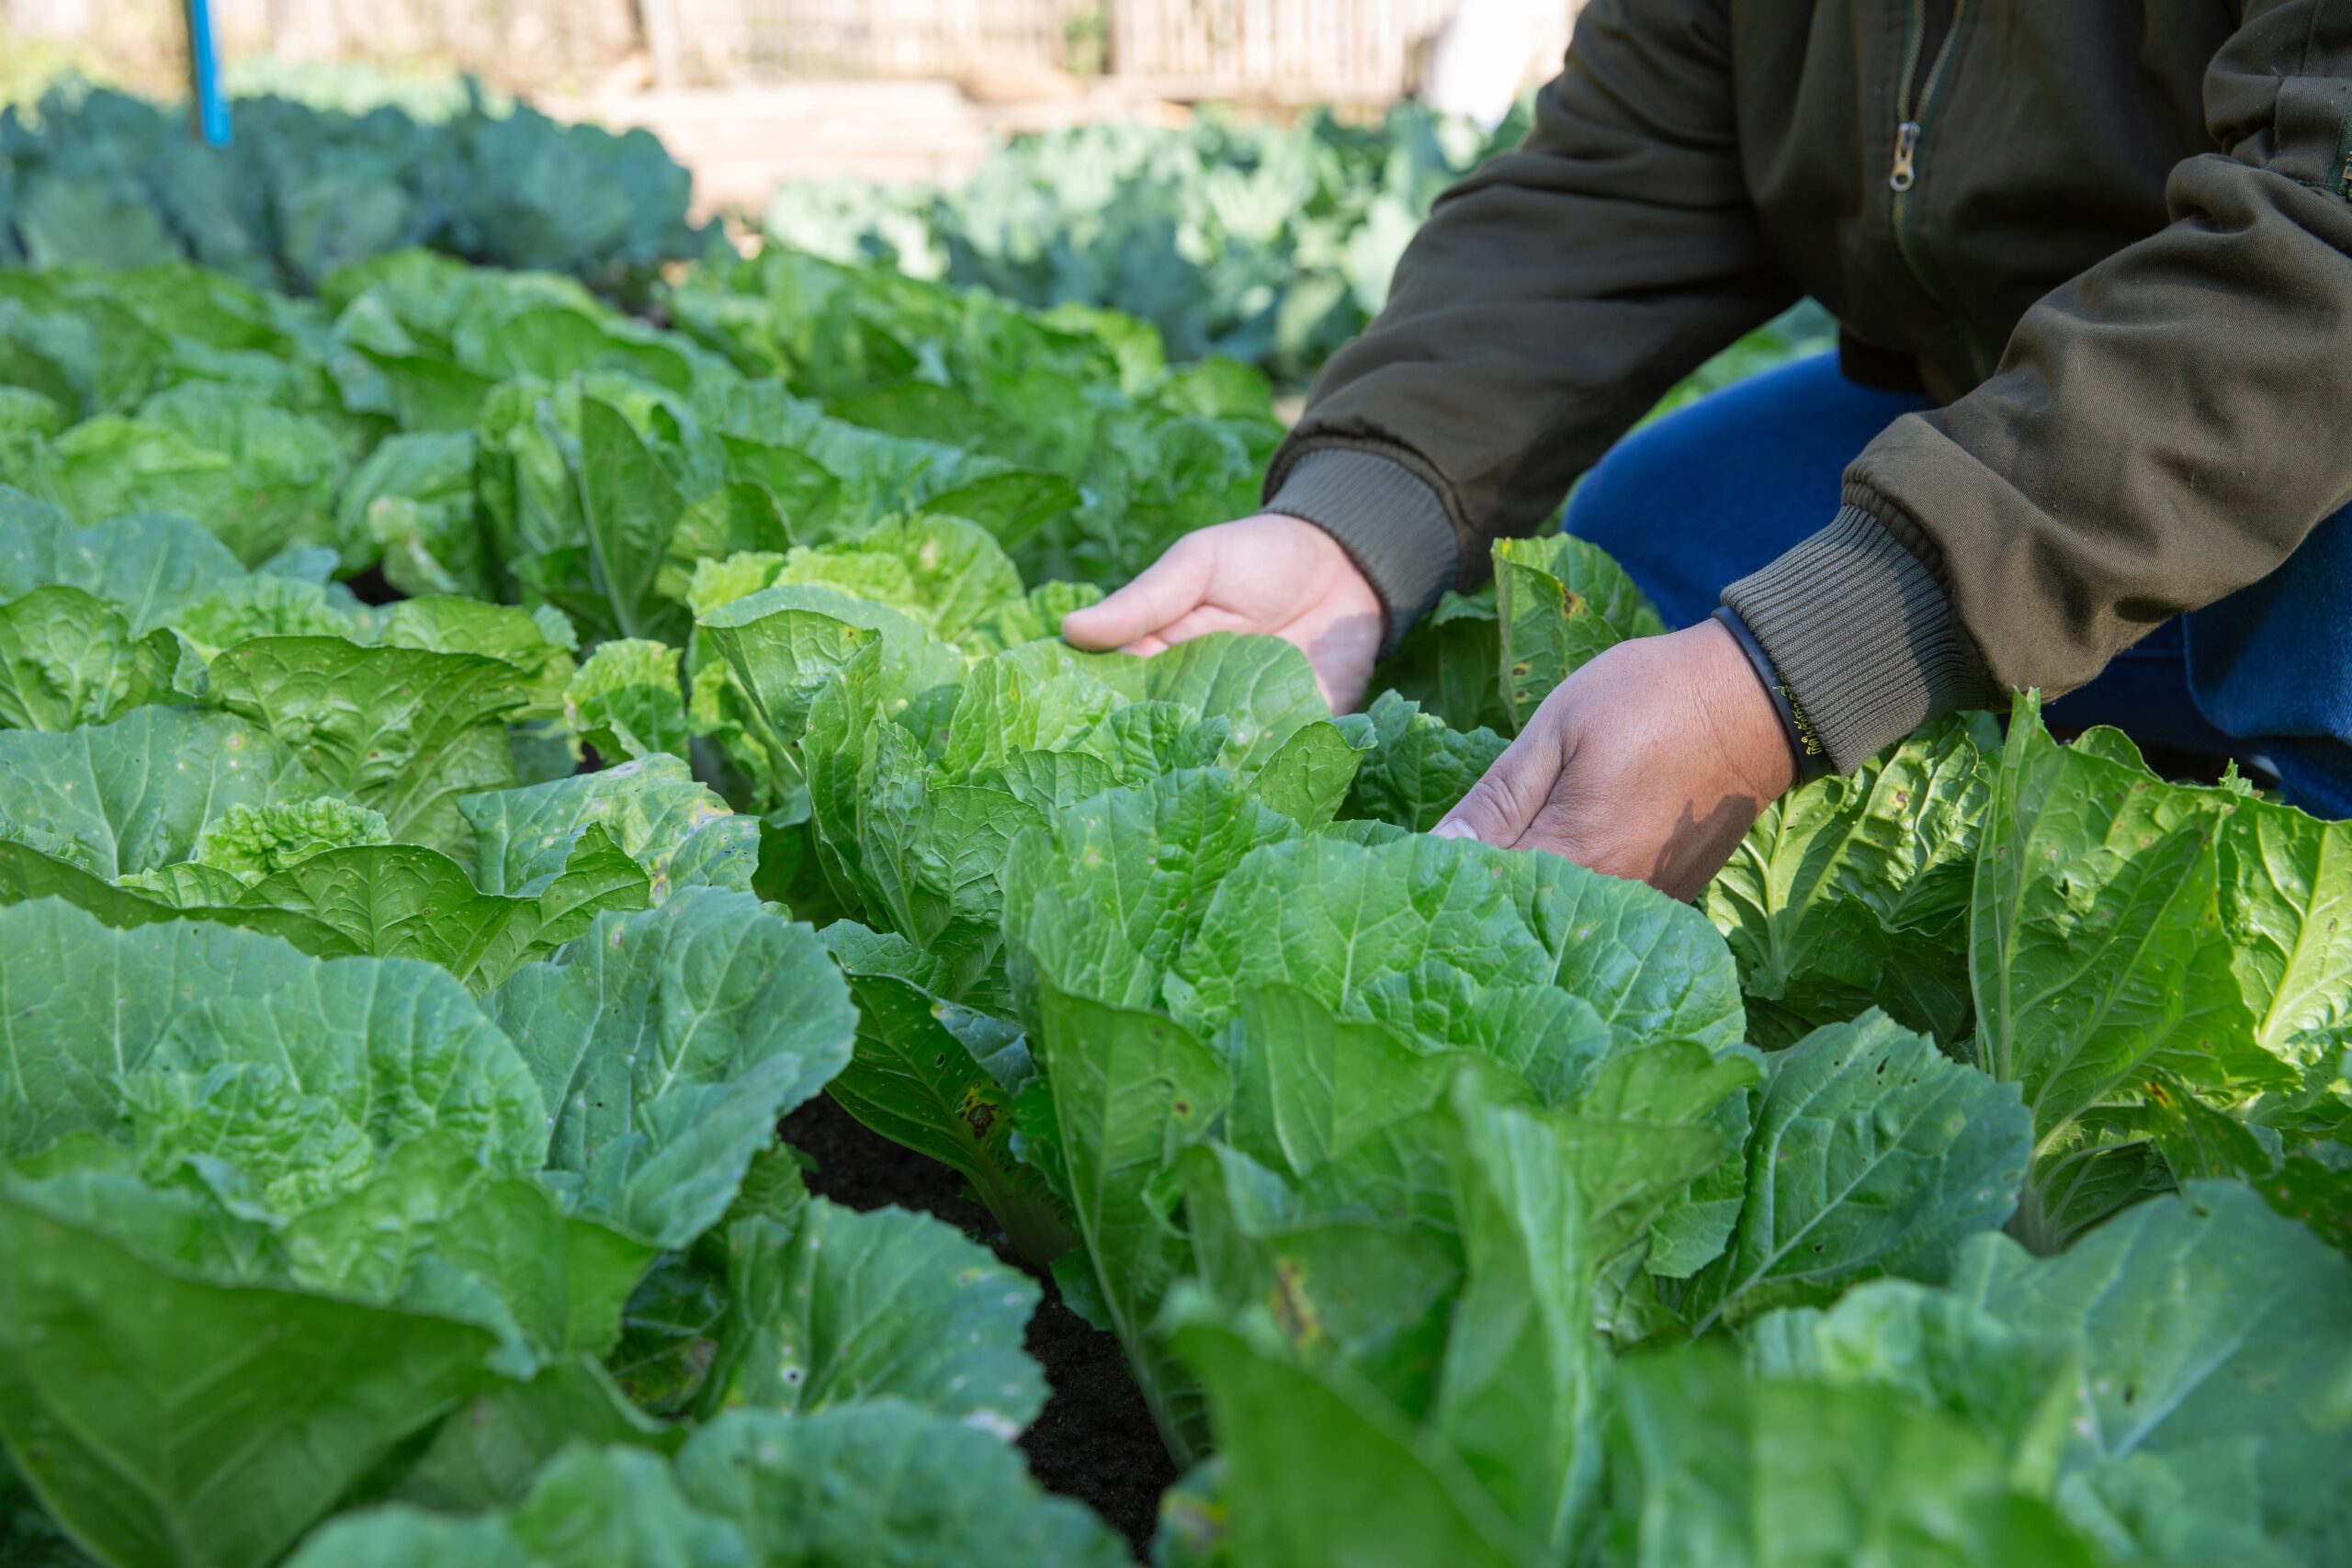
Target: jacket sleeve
(1550, 301)
(2162, 430)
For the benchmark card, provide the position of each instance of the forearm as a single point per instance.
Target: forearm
(1549, 301)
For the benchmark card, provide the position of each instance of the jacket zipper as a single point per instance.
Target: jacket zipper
(1927, 43)
(1930, 35)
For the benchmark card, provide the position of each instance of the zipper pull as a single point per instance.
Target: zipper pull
(1907, 144)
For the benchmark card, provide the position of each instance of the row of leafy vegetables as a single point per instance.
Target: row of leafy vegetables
(1269, 244)
(1233, 236)
(387, 1163)
(94, 177)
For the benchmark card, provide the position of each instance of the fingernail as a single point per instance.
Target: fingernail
(1454, 828)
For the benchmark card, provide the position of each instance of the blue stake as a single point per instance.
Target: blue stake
(204, 71)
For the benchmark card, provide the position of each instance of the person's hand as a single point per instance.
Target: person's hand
(1269, 573)
(1649, 762)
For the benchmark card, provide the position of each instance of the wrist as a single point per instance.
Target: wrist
(1742, 712)
(1349, 582)
(1393, 527)
(1809, 759)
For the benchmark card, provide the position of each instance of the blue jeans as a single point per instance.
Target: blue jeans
(1707, 495)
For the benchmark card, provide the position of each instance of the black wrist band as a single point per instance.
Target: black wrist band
(1805, 744)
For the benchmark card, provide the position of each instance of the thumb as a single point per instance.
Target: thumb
(1168, 590)
(1501, 803)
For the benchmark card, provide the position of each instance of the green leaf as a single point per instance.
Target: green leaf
(1129, 1090)
(1358, 1262)
(679, 831)
(893, 692)
(346, 1147)
(1332, 918)
(1710, 1467)
(621, 1505)
(113, 1368)
(1310, 1087)
(1037, 616)
(2286, 890)
(1418, 769)
(1103, 902)
(671, 1333)
(1520, 1392)
(1380, 1490)
(1336, 918)
(257, 478)
(1847, 893)
(264, 604)
(666, 1045)
(784, 643)
(1560, 602)
(537, 643)
(67, 660)
(186, 891)
(626, 701)
(1011, 506)
(884, 1482)
(430, 1229)
(1262, 684)
(842, 1309)
(1449, 663)
(137, 794)
(1039, 696)
(1873, 1154)
(406, 901)
(403, 731)
(598, 876)
(2015, 1384)
(413, 500)
(945, 572)
(251, 842)
(631, 508)
(1651, 1121)
(928, 850)
(1308, 775)
(591, 1507)
(919, 1077)
(2096, 948)
(1649, 966)
(148, 566)
(493, 1447)
(2205, 1323)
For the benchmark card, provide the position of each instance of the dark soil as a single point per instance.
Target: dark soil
(369, 587)
(1095, 1440)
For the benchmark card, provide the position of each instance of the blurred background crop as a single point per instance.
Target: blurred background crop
(1241, 173)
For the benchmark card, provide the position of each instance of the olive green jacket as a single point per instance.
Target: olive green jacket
(2114, 236)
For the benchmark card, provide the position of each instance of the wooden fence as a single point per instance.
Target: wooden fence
(766, 39)
(1279, 50)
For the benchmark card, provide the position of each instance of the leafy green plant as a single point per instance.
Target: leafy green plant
(97, 177)
(399, 1001)
(1237, 238)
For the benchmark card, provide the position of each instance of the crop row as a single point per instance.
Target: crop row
(470, 762)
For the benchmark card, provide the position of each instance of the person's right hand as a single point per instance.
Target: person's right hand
(1273, 574)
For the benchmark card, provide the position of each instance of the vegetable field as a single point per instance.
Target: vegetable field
(473, 761)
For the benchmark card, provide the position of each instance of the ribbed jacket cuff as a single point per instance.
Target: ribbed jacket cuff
(1391, 524)
(1863, 636)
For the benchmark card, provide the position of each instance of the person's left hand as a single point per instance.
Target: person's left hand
(1649, 762)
